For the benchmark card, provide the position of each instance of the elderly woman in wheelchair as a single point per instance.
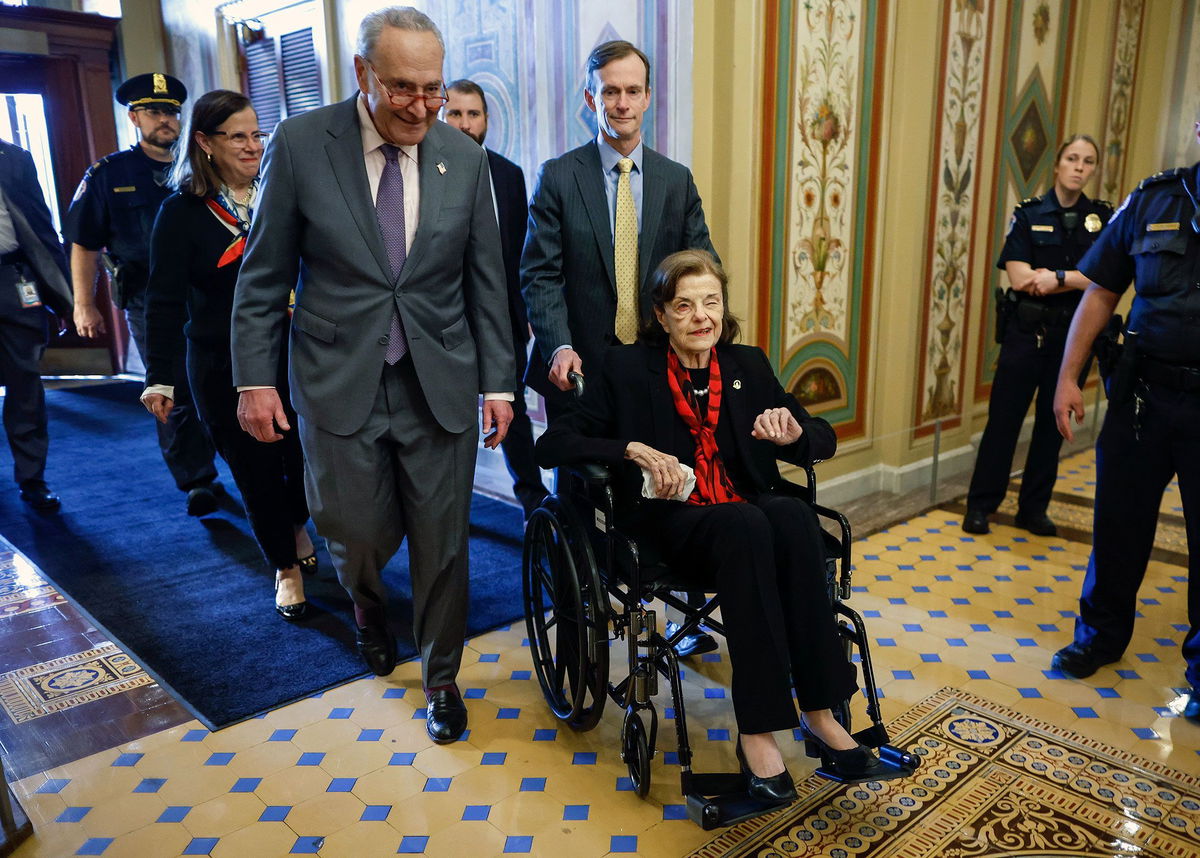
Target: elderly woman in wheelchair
(684, 404)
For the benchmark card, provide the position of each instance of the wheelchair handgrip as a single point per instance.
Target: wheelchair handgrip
(577, 380)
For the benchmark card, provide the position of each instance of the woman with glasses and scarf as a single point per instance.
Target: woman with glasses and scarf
(1046, 239)
(685, 394)
(195, 255)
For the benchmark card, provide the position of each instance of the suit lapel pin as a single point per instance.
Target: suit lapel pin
(737, 384)
(441, 168)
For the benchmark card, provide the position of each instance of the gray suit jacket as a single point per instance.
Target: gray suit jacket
(35, 231)
(315, 229)
(567, 271)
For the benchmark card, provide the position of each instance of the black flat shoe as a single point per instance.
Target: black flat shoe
(1080, 660)
(777, 789)
(697, 643)
(201, 501)
(851, 764)
(1038, 524)
(38, 495)
(445, 715)
(975, 521)
(378, 649)
(308, 565)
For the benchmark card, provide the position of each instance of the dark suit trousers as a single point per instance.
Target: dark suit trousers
(399, 475)
(270, 477)
(184, 442)
(766, 562)
(517, 447)
(22, 343)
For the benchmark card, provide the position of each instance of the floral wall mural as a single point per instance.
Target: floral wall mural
(1126, 41)
(815, 303)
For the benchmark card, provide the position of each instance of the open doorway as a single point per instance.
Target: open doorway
(23, 123)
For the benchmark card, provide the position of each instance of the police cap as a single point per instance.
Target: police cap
(153, 89)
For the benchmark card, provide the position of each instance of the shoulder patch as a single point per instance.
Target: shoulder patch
(1164, 176)
(1104, 204)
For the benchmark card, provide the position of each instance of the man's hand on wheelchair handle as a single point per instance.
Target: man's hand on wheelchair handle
(668, 475)
(564, 361)
(777, 425)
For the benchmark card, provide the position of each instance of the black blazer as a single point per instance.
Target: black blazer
(567, 268)
(632, 402)
(35, 231)
(512, 208)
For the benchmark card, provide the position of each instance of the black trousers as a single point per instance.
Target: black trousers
(1023, 371)
(1132, 470)
(183, 440)
(517, 447)
(270, 477)
(765, 560)
(22, 343)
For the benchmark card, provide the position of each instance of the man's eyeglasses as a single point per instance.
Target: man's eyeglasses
(159, 112)
(241, 138)
(407, 94)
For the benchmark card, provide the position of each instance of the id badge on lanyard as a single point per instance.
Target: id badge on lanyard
(27, 291)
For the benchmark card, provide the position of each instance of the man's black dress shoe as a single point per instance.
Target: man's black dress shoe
(1080, 660)
(776, 789)
(1191, 709)
(1039, 524)
(378, 649)
(975, 521)
(38, 495)
(696, 643)
(201, 501)
(445, 715)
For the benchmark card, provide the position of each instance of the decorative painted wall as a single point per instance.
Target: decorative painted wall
(1180, 146)
(1126, 41)
(1033, 104)
(819, 171)
(950, 254)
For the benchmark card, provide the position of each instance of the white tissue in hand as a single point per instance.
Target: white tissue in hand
(689, 483)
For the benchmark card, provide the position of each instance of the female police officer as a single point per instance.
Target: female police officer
(1047, 238)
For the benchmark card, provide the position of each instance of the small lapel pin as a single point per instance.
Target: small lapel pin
(441, 168)
(737, 384)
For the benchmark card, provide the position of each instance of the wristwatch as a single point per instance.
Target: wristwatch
(1062, 277)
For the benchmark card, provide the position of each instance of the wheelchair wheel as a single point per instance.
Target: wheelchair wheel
(566, 616)
(635, 751)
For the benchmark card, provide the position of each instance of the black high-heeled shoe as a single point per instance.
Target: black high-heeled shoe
(290, 612)
(777, 789)
(852, 764)
(308, 565)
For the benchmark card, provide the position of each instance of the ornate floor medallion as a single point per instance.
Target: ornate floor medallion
(63, 683)
(992, 783)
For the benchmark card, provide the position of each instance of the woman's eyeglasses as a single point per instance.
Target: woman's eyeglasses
(241, 138)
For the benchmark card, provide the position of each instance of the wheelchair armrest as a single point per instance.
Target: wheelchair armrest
(592, 473)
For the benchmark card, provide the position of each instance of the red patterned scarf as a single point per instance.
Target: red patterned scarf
(712, 481)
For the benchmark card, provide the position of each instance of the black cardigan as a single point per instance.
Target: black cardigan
(631, 401)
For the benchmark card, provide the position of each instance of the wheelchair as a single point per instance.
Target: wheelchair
(581, 576)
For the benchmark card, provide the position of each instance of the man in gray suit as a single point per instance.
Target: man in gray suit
(381, 218)
(569, 268)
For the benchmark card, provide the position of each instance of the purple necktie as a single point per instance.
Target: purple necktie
(389, 209)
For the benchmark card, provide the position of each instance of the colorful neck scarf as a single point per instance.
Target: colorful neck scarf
(712, 481)
(226, 211)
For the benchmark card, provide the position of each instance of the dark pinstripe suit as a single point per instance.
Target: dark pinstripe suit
(567, 274)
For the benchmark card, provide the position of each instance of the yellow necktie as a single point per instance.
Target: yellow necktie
(625, 257)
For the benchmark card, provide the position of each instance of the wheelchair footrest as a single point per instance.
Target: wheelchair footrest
(720, 799)
(894, 764)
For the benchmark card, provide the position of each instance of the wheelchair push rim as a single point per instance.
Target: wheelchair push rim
(566, 618)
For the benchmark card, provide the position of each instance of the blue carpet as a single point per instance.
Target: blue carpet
(191, 599)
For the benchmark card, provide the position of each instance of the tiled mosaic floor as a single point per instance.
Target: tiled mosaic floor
(351, 773)
(993, 781)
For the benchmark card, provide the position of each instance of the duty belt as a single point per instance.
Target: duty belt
(1033, 314)
(1185, 379)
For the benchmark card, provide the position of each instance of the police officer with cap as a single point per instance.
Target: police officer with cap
(1151, 432)
(114, 210)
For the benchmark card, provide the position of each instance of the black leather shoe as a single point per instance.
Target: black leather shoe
(445, 715)
(696, 643)
(850, 765)
(293, 612)
(1191, 709)
(1080, 660)
(1039, 524)
(378, 649)
(975, 521)
(777, 789)
(201, 501)
(38, 495)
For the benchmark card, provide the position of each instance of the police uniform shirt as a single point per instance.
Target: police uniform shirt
(1039, 236)
(1151, 240)
(116, 203)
